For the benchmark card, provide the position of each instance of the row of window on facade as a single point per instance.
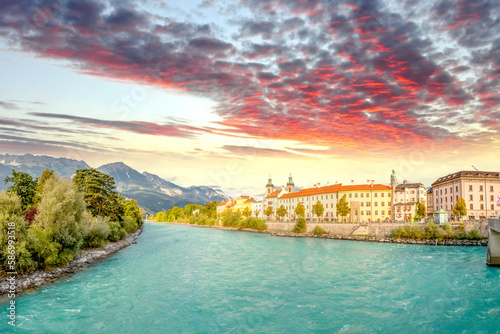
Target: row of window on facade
(471, 207)
(471, 198)
(456, 189)
(318, 198)
(368, 204)
(362, 213)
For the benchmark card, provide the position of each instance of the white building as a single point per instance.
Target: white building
(479, 189)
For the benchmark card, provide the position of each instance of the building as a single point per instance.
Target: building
(430, 202)
(478, 189)
(368, 202)
(243, 203)
(224, 205)
(257, 210)
(327, 195)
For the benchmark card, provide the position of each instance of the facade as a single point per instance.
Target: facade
(478, 188)
(406, 196)
(257, 210)
(224, 205)
(368, 202)
(430, 202)
(242, 203)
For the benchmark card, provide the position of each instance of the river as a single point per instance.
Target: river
(184, 279)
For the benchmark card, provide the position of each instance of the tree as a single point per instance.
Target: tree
(300, 210)
(343, 207)
(281, 211)
(300, 226)
(132, 210)
(257, 211)
(420, 210)
(211, 208)
(46, 175)
(460, 208)
(318, 209)
(60, 211)
(99, 193)
(247, 212)
(269, 211)
(24, 186)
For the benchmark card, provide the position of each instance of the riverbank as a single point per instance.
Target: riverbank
(41, 277)
(432, 242)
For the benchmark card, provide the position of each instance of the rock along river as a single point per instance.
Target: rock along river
(183, 279)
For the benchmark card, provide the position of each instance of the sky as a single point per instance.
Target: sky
(226, 93)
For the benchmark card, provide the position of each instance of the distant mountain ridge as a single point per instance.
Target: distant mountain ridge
(152, 193)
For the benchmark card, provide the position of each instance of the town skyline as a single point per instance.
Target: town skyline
(216, 92)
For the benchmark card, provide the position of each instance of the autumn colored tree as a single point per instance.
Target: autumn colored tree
(343, 207)
(460, 208)
(318, 209)
(281, 211)
(247, 212)
(300, 210)
(46, 175)
(269, 211)
(420, 210)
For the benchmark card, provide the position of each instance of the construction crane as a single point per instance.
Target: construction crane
(477, 170)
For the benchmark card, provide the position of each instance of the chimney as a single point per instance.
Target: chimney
(405, 181)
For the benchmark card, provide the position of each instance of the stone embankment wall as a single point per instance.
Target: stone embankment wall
(371, 229)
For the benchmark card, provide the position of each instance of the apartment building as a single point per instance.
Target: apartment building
(478, 188)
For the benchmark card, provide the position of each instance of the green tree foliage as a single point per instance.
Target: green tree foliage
(230, 218)
(161, 216)
(300, 226)
(189, 208)
(132, 210)
(343, 207)
(281, 211)
(61, 210)
(254, 223)
(99, 193)
(211, 208)
(46, 175)
(257, 212)
(24, 186)
(269, 212)
(318, 209)
(300, 210)
(460, 208)
(420, 210)
(15, 255)
(247, 212)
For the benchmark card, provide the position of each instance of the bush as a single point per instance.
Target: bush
(96, 232)
(300, 226)
(129, 224)
(319, 231)
(231, 219)
(473, 235)
(45, 251)
(29, 215)
(254, 223)
(116, 232)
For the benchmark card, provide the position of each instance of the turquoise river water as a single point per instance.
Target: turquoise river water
(183, 279)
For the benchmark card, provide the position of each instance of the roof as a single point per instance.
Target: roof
(314, 191)
(409, 185)
(274, 193)
(406, 203)
(464, 174)
(244, 196)
(223, 203)
(365, 187)
(250, 200)
(226, 203)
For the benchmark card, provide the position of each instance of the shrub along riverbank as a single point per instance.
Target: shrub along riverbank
(431, 231)
(60, 218)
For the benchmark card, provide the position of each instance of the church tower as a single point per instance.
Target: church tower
(290, 186)
(394, 183)
(269, 186)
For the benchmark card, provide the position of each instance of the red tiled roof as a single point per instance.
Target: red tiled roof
(250, 200)
(314, 191)
(358, 187)
(273, 194)
(222, 203)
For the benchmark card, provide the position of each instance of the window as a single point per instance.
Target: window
(376, 203)
(482, 206)
(367, 194)
(367, 203)
(491, 198)
(456, 198)
(445, 191)
(326, 205)
(383, 213)
(440, 191)
(389, 212)
(388, 203)
(362, 203)
(356, 195)
(321, 196)
(350, 195)
(376, 213)
(382, 203)
(375, 195)
(472, 206)
(471, 198)
(389, 195)
(456, 189)
(441, 200)
(382, 195)
(368, 213)
(492, 206)
(491, 188)
(362, 194)
(481, 198)
(480, 188)
(470, 187)
(362, 213)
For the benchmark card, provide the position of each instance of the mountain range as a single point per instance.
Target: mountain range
(151, 192)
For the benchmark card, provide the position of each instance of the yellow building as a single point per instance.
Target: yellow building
(242, 203)
(368, 202)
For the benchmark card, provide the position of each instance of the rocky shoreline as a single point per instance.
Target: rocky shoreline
(41, 277)
(432, 242)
